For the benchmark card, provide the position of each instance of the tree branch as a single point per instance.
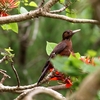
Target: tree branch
(66, 18)
(58, 11)
(16, 74)
(58, 87)
(20, 17)
(29, 94)
(43, 13)
(49, 4)
(3, 59)
(15, 89)
(4, 76)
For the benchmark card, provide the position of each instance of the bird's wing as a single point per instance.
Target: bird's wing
(58, 49)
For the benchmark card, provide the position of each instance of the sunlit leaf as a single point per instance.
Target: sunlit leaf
(98, 94)
(33, 4)
(18, 3)
(26, 4)
(14, 27)
(26, 0)
(23, 10)
(97, 61)
(8, 49)
(10, 26)
(49, 47)
(6, 27)
(91, 53)
(77, 55)
(62, 1)
(70, 13)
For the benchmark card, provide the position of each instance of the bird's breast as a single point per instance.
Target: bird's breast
(68, 49)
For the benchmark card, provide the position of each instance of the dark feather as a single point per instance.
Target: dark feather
(59, 48)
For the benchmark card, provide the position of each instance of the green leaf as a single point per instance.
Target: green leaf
(6, 27)
(26, 0)
(9, 54)
(59, 62)
(97, 61)
(77, 55)
(14, 27)
(26, 4)
(33, 4)
(8, 49)
(6, 62)
(91, 53)
(70, 66)
(98, 94)
(62, 1)
(70, 13)
(87, 68)
(49, 47)
(11, 26)
(23, 10)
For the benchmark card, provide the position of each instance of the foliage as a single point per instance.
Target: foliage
(85, 42)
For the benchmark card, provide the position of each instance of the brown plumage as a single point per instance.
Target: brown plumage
(64, 48)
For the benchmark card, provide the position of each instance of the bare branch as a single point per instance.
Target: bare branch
(58, 87)
(20, 17)
(62, 9)
(49, 4)
(15, 89)
(38, 12)
(29, 94)
(4, 76)
(58, 11)
(16, 74)
(66, 18)
(43, 11)
(3, 59)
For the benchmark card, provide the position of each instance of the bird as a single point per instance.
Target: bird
(64, 48)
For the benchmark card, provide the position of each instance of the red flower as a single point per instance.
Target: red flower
(6, 6)
(62, 78)
(2, 13)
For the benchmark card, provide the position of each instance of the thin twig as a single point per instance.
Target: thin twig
(4, 76)
(16, 74)
(58, 11)
(3, 59)
(62, 9)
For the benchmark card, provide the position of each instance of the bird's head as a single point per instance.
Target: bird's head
(69, 33)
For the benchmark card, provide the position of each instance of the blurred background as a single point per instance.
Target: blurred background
(29, 44)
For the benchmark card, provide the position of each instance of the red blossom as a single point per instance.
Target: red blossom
(58, 76)
(3, 14)
(6, 6)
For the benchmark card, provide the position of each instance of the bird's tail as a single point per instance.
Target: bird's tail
(44, 72)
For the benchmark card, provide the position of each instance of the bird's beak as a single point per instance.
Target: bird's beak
(76, 31)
